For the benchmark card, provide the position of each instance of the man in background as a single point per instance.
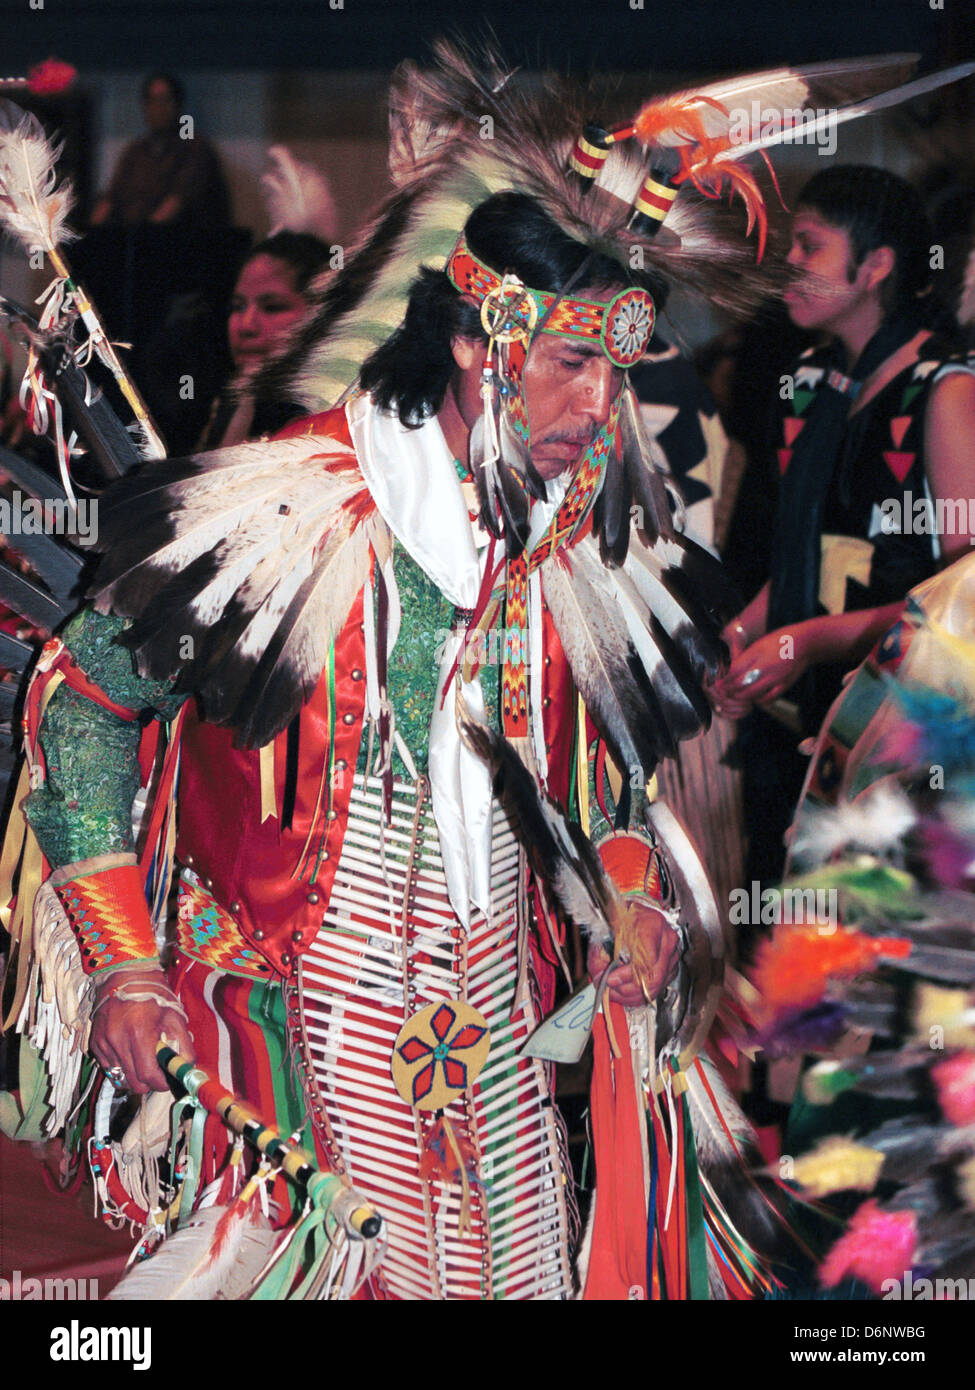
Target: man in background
(168, 175)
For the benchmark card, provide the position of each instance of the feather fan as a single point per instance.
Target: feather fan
(238, 568)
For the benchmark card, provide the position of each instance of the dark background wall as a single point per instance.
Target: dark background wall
(314, 77)
(613, 34)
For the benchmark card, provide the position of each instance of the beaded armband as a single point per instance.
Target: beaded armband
(629, 860)
(104, 900)
(633, 864)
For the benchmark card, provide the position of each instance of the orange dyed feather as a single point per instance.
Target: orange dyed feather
(661, 121)
(676, 116)
(793, 969)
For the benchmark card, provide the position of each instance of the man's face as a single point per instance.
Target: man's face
(834, 290)
(160, 106)
(569, 386)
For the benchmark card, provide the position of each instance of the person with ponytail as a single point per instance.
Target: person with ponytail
(875, 459)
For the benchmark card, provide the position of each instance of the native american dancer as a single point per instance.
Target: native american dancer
(375, 861)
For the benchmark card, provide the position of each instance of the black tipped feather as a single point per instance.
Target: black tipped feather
(560, 856)
(649, 493)
(640, 641)
(237, 568)
(611, 512)
(613, 679)
(513, 501)
(482, 474)
(517, 455)
(500, 491)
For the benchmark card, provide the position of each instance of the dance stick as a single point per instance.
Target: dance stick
(299, 1165)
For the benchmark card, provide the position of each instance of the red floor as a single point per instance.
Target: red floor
(45, 1233)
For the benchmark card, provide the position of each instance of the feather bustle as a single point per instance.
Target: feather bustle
(255, 553)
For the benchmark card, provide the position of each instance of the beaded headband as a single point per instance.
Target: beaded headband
(511, 310)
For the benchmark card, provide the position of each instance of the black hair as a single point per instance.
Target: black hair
(305, 254)
(510, 232)
(876, 208)
(173, 83)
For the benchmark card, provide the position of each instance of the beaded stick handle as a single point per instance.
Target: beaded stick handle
(299, 1165)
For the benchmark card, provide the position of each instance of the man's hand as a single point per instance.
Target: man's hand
(126, 1034)
(659, 949)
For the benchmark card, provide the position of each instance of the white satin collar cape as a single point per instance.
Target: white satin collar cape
(412, 478)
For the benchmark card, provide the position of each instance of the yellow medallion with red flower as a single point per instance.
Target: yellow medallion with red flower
(438, 1053)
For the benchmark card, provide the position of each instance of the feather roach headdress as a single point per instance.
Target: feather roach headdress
(469, 128)
(638, 607)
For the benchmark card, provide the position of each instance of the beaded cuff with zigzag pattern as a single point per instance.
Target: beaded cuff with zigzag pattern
(105, 902)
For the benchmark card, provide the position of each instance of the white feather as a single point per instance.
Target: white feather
(714, 1147)
(875, 821)
(829, 119)
(280, 591)
(277, 490)
(593, 633)
(298, 196)
(33, 208)
(184, 1267)
(782, 90)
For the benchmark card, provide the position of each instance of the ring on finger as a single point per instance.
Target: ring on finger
(117, 1077)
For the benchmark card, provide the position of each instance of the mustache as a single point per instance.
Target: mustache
(568, 437)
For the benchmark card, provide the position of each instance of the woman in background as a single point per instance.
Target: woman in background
(270, 300)
(879, 420)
